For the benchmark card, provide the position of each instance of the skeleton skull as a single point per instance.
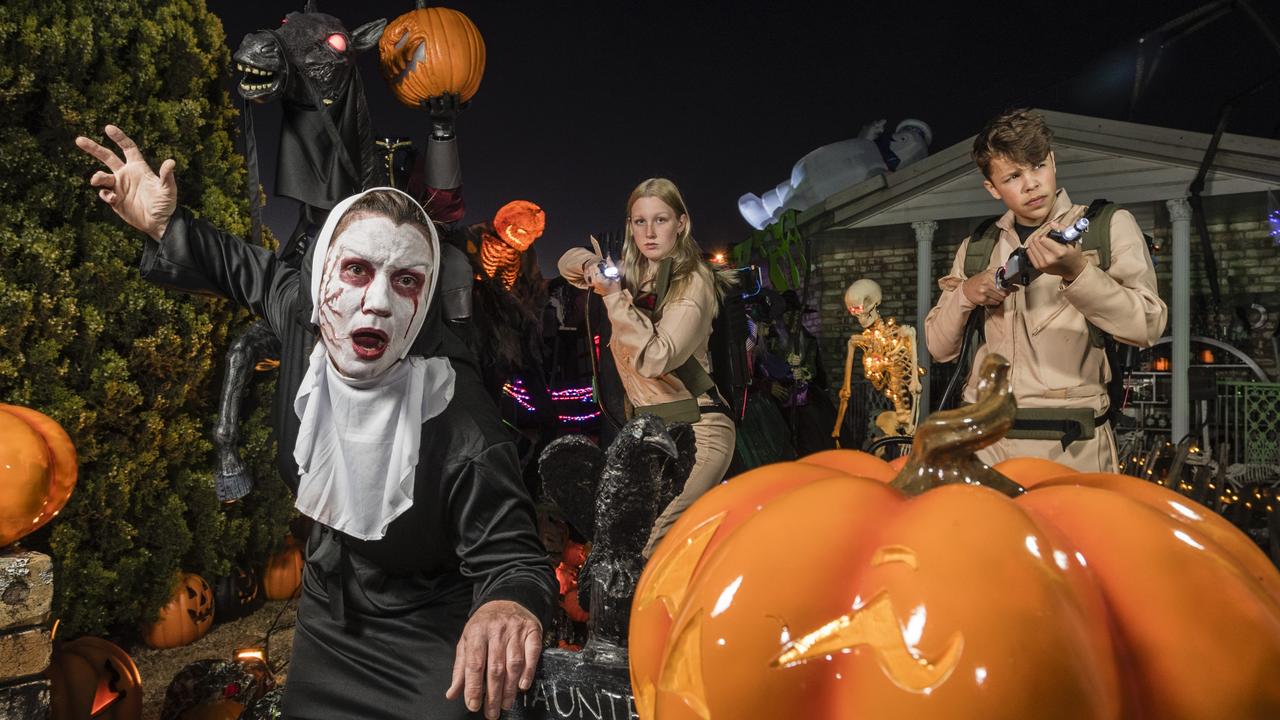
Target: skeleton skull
(863, 300)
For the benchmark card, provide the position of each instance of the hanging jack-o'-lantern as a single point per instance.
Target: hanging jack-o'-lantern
(37, 471)
(187, 616)
(282, 578)
(515, 226)
(953, 590)
(431, 51)
(92, 678)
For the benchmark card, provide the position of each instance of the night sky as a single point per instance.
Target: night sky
(582, 100)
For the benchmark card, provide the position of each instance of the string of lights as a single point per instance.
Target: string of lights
(520, 394)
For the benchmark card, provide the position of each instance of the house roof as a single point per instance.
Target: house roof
(1124, 162)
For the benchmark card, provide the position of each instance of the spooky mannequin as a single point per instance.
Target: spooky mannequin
(327, 153)
(888, 361)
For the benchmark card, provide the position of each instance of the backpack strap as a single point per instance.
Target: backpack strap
(982, 241)
(1098, 237)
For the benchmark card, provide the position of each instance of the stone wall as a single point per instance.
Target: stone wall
(26, 596)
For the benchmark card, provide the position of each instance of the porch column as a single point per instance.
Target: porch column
(1180, 318)
(924, 299)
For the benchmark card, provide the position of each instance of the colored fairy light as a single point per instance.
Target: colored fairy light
(517, 392)
(1273, 221)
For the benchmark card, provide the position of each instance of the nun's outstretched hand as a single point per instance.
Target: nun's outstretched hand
(138, 195)
(496, 657)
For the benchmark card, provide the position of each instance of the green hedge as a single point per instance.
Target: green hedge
(131, 371)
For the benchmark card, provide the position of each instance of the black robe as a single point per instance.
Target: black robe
(378, 620)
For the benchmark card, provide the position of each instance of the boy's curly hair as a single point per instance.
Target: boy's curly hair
(1021, 135)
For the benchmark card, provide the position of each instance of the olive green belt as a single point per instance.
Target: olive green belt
(1062, 424)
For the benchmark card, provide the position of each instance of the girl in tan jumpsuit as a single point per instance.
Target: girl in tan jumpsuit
(651, 341)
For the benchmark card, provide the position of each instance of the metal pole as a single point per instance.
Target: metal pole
(1180, 318)
(924, 230)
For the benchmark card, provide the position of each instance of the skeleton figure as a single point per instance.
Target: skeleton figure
(888, 361)
(515, 226)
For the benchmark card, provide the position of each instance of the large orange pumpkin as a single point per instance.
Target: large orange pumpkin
(92, 678)
(953, 591)
(187, 616)
(282, 578)
(431, 51)
(37, 471)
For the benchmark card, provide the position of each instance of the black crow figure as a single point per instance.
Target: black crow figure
(613, 499)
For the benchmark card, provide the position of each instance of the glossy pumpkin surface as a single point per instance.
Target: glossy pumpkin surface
(93, 678)
(37, 471)
(835, 587)
(431, 51)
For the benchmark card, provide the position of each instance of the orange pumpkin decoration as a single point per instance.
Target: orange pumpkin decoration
(431, 51)
(92, 678)
(187, 616)
(952, 590)
(519, 223)
(37, 471)
(282, 578)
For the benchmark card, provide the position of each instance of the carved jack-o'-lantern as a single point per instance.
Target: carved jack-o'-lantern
(282, 578)
(92, 678)
(37, 471)
(515, 226)
(431, 51)
(187, 616)
(952, 590)
(236, 594)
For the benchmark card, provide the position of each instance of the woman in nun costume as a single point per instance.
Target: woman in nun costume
(424, 574)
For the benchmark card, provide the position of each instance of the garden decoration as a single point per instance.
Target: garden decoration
(282, 577)
(37, 471)
(93, 678)
(428, 52)
(950, 589)
(186, 617)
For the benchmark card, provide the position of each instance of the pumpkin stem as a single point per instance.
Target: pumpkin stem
(944, 445)
(420, 4)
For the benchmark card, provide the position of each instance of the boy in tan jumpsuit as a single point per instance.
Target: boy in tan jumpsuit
(1043, 329)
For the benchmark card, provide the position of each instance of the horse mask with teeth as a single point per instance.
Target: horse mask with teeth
(308, 63)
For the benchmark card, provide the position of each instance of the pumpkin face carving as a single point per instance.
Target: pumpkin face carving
(918, 594)
(92, 678)
(187, 616)
(37, 471)
(236, 595)
(519, 223)
(431, 51)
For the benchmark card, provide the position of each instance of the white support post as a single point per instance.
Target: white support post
(924, 299)
(1180, 318)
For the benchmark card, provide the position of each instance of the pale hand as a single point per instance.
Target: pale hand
(1054, 258)
(134, 191)
(496, 656)
(981, 289)
(597, 280)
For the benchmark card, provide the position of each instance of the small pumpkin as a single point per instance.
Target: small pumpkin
(92, 678)
(236, 594)
(282, 578)
(953, 590)
(187, 616)
(428, 52)
(37, 471)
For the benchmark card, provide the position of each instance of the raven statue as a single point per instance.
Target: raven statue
(613, 498)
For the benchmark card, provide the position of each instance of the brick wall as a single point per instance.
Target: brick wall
(1247, 258)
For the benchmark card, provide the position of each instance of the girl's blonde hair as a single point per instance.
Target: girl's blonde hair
(686, 256)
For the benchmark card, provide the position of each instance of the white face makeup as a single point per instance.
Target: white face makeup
(373, 295)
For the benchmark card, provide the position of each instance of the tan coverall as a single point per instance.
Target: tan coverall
(1041, 330)
(646, 353)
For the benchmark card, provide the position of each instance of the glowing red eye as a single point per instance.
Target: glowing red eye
(337, 42)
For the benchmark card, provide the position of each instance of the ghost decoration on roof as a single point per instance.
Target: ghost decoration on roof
(835, 167)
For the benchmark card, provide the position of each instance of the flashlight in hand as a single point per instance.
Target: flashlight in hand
(1070, 234)
(609, 271)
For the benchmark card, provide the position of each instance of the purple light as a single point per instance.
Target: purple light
(1273, 220)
